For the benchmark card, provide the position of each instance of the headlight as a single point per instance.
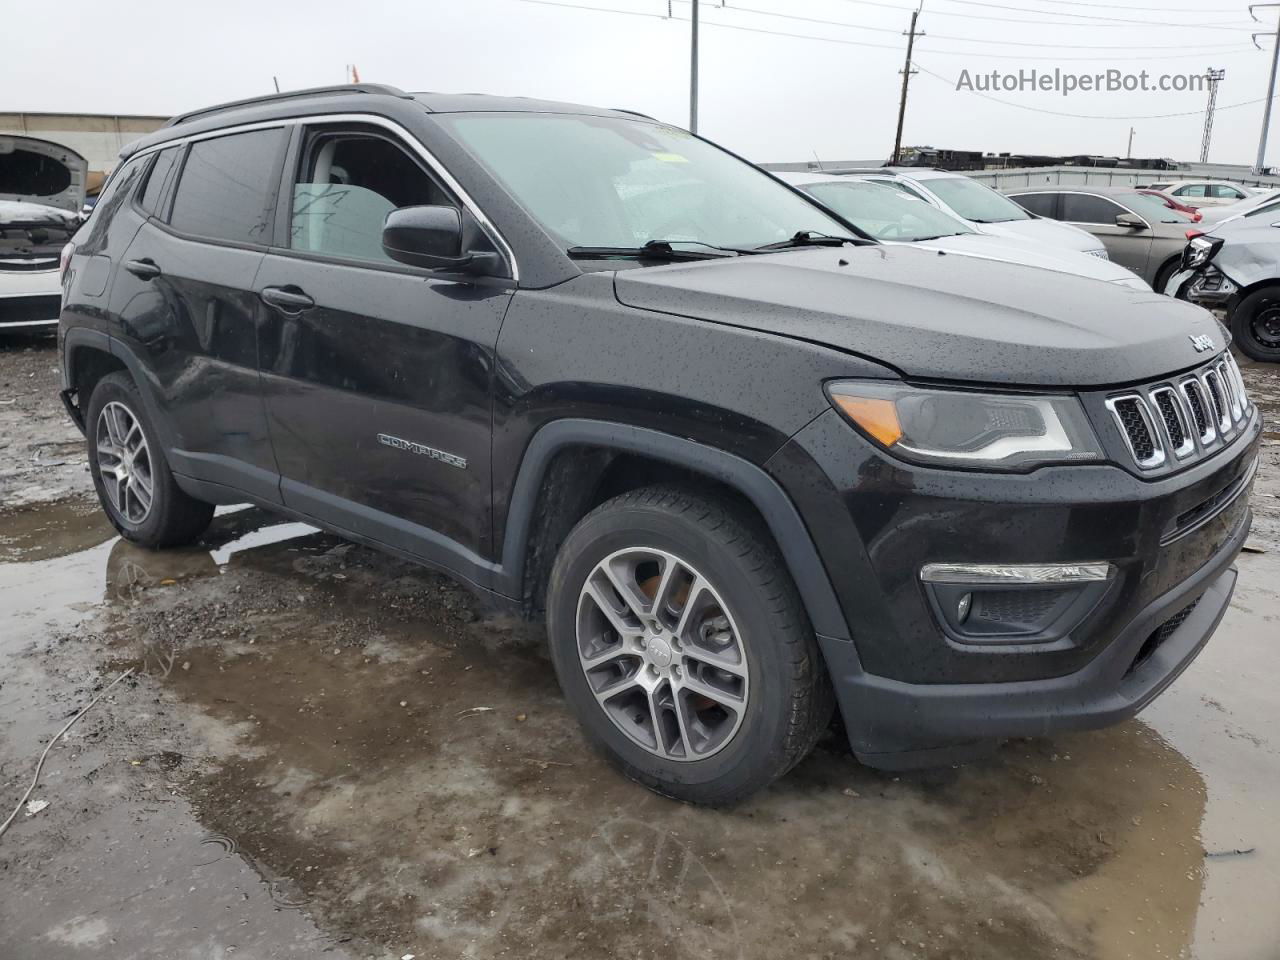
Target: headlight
(984, 431)
(1200, 251)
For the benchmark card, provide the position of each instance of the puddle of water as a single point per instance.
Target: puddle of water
(335, 689)
(1223, 715)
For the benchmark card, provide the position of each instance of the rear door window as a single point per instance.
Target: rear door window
(1192, 190)
(227, 187)
(1085, 208)
(1041, 204)
(157, 180)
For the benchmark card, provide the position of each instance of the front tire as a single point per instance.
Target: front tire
(682, 647)
(1255, 324)
(130, 474)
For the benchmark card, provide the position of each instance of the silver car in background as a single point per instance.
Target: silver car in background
(893, 216)
(1139, 231)
(981, 207)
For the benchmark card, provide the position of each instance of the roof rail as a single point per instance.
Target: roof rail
(373, 88)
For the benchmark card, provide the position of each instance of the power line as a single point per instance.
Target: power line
(739, 8)
(1082, 116)
(1087, 16)
(1159, 8)
(1124, 24)
(715, 24)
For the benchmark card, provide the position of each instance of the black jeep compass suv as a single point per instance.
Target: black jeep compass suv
(749, 465)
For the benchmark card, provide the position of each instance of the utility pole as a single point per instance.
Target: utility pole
(1128, 154)
(693, 69)
(1213, 76)
(1271, 88)
(907, 71)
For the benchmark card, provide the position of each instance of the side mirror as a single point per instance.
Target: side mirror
(436, 237)
(1131, 220)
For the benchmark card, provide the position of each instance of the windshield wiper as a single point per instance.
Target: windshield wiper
(810, 238)
(653, 250)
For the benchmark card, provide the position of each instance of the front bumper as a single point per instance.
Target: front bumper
(907, 687)
(896, 725)
(34, 310)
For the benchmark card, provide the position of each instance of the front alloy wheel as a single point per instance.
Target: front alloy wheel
(682, 647)
(662, 654)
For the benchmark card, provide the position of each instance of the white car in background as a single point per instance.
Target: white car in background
(1245, 208)
(32, 236)
(1202, 193)
(42, 188)
(894, 216)
(982, 208)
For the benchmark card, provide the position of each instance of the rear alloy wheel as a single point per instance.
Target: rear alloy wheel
(1255, 324)
(682, 647)
(137, 490)
(124, 462)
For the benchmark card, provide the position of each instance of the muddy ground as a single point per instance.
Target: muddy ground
(326, 752)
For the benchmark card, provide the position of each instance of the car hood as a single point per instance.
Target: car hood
(1039, 255)
(932, 315)
(43, 172)
(1044, 231)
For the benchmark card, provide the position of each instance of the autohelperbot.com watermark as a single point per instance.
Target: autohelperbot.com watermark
(1066, 82)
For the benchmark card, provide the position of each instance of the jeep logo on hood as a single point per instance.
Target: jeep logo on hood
(1201, 342)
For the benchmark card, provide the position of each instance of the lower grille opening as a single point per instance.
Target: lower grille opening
(1162, 633)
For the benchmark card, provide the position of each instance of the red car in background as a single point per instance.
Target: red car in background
(1174, 204)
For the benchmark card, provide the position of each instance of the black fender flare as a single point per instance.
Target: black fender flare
(781, 516)
(83, 337)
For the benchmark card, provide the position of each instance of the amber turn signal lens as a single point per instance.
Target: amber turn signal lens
(877, 417)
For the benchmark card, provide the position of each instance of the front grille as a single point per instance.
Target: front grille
(1214, 387)
(27, 264)
(1191, 390)
(1137, 428)
(1186, 419)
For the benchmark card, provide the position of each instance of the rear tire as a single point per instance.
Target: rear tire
(1255, 324)
(134, 483)
(705, 683)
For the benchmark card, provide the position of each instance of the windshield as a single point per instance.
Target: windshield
(886, 213)
(610, 182)
(1152, 208)
(973, 201)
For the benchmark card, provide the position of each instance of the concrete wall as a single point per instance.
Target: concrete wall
(97, 138)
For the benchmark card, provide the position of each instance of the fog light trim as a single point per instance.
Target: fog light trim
(994, 574)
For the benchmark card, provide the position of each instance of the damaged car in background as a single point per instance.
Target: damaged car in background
(42, 189)
(1235, 271)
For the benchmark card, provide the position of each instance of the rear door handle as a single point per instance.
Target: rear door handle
(287, 299)
(144, 269)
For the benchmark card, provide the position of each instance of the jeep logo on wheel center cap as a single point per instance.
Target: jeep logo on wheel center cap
(659, 652)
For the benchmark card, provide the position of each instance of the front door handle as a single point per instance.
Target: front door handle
(287, 299)
(144, 269)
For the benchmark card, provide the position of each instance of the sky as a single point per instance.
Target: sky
(767, 95)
